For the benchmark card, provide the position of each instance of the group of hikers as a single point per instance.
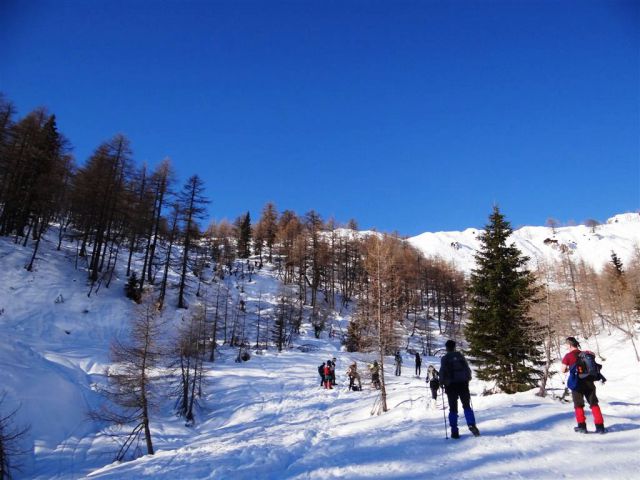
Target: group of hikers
(455, 374)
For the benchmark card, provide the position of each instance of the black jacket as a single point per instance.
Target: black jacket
(454, 369)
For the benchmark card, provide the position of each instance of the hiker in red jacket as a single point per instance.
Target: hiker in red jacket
(328, 375)
(584, 389)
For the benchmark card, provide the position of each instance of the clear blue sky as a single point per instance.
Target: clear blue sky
(409, 116)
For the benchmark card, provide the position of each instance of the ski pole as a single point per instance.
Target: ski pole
(444, 416)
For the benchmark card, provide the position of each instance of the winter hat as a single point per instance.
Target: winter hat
(450, 345)
(573, 342)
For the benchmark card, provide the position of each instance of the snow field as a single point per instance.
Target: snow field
(268, 418)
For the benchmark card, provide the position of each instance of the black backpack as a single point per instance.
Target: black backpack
(586, 367)
(458, 369)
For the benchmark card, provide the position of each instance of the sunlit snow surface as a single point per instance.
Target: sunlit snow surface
(268, 418)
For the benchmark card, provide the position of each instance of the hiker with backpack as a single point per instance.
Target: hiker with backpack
(327, 375)
(455, 375)
(418, 364)
(398, 361)
(583, 371)
(375, 374)
(433, 381)
(321, 373)
(333, 371)
(352, 373)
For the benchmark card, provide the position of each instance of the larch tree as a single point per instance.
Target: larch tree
(131, 392)
(383, 303)
(268, 226)
(193, 208)
(504, 341)
(11, 439)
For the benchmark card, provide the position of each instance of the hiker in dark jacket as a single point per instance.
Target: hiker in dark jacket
(352, 373)
(418, 364)
(583, 389)
(333, 371)
(321, 373)
(374, 368)
(398, 361)
(455, 375)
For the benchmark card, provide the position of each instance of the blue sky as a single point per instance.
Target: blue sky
(408, 116)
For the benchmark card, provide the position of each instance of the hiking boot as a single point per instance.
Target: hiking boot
(455, 433)
(473, 429)
(600, 429)
(581, 428)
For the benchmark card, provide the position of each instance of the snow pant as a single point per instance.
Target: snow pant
(461, 391)
(321, 380)
(327, 381)
(434, 392)
(418, 369)
(352, 379)
(398, 369)
(586, 389)
(375, 380)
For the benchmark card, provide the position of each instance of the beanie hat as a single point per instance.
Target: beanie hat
(573, 342)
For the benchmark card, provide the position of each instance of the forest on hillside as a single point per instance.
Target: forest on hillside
(109, 204)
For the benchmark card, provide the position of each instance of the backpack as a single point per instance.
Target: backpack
(458, 370)
(587, 367)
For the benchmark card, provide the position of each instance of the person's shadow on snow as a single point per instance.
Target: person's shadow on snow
(622, 427)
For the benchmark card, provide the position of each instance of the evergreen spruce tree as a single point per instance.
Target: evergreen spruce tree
(617, 264)
(244, 236)
(504, 341)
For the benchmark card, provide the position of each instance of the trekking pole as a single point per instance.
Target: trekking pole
(444, 416)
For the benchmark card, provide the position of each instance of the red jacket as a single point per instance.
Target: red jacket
(570, 358)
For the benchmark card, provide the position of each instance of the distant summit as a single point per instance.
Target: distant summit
(625, 218)
(591, 243)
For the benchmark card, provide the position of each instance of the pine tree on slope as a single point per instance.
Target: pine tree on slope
(504, 341)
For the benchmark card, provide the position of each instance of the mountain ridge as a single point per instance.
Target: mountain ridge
(593, 244)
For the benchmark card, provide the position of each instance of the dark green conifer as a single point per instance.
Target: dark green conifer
(244, 236)
(504, 341)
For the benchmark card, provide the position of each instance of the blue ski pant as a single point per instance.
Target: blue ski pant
(460, 391)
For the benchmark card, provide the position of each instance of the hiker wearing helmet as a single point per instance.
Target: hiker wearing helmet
(581, 388)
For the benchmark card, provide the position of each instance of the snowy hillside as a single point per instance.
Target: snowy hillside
(268, 418)
(620, 233)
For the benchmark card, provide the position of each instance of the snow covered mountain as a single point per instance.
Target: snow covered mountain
(268, 418)
(620, 234)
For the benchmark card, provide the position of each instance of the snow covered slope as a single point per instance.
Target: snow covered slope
(268, 418)
(620, 233)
